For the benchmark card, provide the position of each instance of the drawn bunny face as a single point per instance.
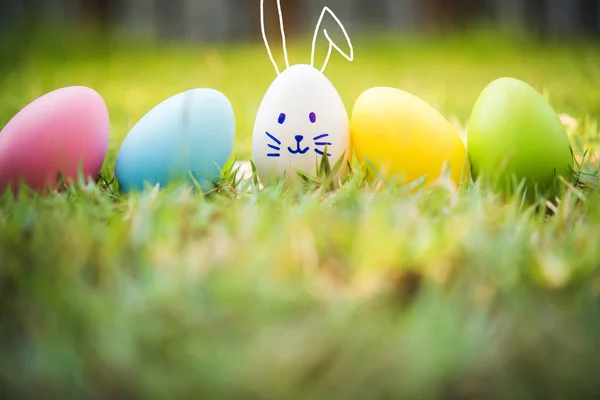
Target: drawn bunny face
(301, 118)
(294, 131)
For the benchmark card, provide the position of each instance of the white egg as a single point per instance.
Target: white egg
(301, 119)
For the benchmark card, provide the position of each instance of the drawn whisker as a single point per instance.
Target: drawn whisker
(273, 154)
(322, 144)
(274, 147)
(321, 153)
(321, 136)
(273, 137)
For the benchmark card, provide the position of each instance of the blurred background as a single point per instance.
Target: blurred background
(137, 53)
(234, 20)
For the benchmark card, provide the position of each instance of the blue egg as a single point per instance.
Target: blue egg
(191, 133)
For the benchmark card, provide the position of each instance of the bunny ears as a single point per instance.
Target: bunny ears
(332, 45)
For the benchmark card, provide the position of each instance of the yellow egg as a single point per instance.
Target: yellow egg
(403, 135)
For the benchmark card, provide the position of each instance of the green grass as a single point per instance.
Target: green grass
(364, 292)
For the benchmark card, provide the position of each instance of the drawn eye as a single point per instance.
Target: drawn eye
(281, 119)
(313, 117)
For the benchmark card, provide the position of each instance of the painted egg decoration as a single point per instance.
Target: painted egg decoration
(186, 137)
(301, 119)
(514, 132)
(65, 131)
(402, 135)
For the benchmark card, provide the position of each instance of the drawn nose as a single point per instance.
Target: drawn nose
(299, 138)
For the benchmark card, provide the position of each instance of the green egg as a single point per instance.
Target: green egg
(514, 135)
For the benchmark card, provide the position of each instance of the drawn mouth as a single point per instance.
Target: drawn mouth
(298, 150)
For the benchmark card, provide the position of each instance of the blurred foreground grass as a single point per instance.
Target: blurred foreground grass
(366, 292)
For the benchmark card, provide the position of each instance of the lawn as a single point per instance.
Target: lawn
(365, 292)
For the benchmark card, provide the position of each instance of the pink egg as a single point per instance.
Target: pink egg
(62, 131)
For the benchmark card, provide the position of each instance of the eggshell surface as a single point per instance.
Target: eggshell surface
(403, 136)
(300, 119)
(61, 131)
(514, 132)
(191, 133)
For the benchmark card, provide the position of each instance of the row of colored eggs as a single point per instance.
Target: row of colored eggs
(512, 128)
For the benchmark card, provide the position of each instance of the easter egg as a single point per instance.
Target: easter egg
(403, 136)
(513, 132)
(64, 131)
(186, 137)
(300, 120)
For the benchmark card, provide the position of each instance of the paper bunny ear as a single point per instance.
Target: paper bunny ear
(332, 45)
(264, 34)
